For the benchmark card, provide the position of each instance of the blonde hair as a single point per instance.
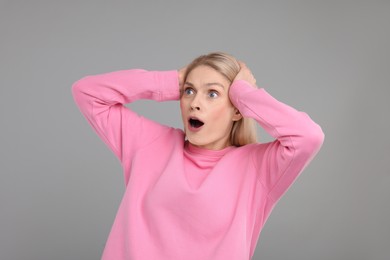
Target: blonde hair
(244, 130)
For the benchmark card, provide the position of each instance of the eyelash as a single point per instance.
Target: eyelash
(186, 91)
(212, 91)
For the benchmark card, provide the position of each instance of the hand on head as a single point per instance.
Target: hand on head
(182, 72)
(245, 74)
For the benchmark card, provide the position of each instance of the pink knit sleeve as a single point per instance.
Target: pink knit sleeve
(298, 137)
(101, 100)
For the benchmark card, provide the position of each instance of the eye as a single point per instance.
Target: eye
(188, 91)
(213, 94)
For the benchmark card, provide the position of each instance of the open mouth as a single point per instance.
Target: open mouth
(195, 123)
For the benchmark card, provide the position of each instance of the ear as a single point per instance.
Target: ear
(237, 115)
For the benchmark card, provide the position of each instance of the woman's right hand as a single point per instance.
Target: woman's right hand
(182, 73)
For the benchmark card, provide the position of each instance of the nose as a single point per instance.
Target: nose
(194, 105)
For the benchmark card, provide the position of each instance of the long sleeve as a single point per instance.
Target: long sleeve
(298, 137)
(101, 100)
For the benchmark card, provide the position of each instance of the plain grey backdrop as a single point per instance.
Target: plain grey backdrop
(60, 186)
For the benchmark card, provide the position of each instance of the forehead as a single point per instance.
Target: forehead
(204, 74)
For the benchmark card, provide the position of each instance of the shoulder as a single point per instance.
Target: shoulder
(249, 151)
(251, 148)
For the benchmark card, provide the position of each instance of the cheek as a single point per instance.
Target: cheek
(221, 113)
(182, 106)
(183, 110)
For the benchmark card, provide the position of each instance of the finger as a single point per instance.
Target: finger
(242, 64)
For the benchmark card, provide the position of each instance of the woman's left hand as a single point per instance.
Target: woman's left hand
(245, 74)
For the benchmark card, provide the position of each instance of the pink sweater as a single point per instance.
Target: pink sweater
(186, 203)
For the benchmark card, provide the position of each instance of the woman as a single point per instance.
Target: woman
(205, 192)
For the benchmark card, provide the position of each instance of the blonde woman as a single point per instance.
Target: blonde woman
(204, 191)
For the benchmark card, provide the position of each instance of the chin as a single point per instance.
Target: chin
(192, 140)
(195, 141)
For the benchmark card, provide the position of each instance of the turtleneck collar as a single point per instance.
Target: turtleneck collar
(192, 149)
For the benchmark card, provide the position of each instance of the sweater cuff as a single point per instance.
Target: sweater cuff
(237, 89)
(169, 84)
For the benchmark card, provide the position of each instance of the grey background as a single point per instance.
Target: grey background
(60, 186)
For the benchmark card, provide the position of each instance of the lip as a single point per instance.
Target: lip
(193, 129)
(190, 127)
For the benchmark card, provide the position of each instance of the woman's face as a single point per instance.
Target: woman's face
(206, 110)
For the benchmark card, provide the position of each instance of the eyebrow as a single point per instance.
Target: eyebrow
(207, 84)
